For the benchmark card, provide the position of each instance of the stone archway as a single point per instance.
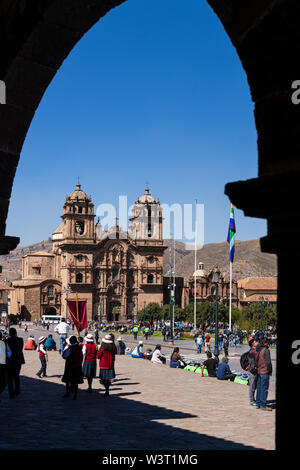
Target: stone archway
(35, 38)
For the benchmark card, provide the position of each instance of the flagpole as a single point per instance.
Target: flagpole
(230, 295)
(195, 277)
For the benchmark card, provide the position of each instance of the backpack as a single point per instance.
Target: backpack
(244, 360)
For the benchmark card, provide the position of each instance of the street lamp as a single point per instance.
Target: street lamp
(216, 280)
(100, 305)
(161, 313)
(263, 303)
(67, 290)
(171, 288)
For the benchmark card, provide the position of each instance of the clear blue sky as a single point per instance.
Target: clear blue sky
(153, 92)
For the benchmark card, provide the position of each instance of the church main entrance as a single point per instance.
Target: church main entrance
(114, 311)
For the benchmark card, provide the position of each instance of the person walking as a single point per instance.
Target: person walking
(220, 341)
(135, 331)
(62, 329)
(89, 351)
(199, 343)
(43, 357)
(264, 372)
(5, 353)
(207, 343)
(146, 331)
(73, 367)
(106, 356)
(252, 371)
(15, 362)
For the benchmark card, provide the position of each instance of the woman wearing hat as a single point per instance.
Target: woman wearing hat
(106, 354)
(73, 367)
(43, 357)
(89, 351)
(138, 351)
(121, 346)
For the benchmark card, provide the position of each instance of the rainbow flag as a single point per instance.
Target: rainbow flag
(231, 233)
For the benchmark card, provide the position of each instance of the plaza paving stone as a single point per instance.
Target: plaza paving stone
(150, 407)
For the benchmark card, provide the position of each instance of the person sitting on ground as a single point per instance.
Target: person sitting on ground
(157, 356)
(50, 344)
(121, 346)
(30, 343)
(138, 350)
(224, 372)
(176, 360)
(210, 364)
(148, 354)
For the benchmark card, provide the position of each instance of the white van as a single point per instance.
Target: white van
(52, 318)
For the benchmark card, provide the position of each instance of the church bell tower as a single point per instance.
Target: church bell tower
(78, 218)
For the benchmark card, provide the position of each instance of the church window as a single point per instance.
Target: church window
(151, 259)
(149, 223)
(36, 270)
(79, 277)
(50, 290)
(79, 210)
(79, 258)
(115, 273)
(150, 278)
(79, 227)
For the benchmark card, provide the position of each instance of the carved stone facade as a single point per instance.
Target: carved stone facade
(117, 273)
(206, 288)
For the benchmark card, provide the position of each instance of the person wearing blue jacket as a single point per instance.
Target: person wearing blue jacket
(224, 372)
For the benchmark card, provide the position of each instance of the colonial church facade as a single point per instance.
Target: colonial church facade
(117, 273)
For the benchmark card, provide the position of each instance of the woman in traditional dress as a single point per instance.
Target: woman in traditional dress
(73, 367)
(89, 351)
(106, 354)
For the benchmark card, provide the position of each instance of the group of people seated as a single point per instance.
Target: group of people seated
(220, 370)
(49, 343)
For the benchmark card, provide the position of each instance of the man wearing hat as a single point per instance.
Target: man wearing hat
(43, 357)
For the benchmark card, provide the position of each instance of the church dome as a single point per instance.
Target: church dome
(146, 198)
(78, 195)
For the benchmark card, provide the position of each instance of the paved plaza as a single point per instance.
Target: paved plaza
(150, 407)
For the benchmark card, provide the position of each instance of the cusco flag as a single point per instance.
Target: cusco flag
(231, 233)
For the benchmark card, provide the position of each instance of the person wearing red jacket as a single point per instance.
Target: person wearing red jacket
(106, 354)
(89, 351)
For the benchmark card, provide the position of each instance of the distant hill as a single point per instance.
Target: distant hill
(248, 261)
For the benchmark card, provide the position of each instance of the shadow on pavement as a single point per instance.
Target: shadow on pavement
(40, 419)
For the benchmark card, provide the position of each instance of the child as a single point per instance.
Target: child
(148, 354)
(43, 357)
